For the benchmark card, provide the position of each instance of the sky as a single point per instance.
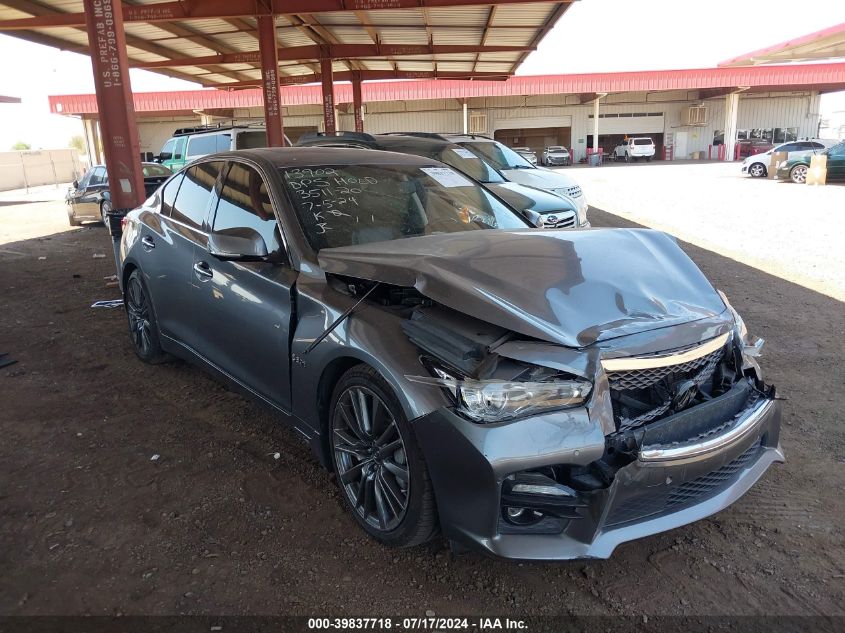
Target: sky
(592, 36)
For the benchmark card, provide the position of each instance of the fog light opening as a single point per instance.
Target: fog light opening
(522, 516)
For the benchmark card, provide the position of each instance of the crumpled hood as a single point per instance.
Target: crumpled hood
(568, 287)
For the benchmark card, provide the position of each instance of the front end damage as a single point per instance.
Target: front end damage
(624, 401)
(663, 440)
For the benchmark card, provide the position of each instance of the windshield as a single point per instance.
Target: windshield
(151, 171)
(468, 163)
(358, 204)
(498, 155)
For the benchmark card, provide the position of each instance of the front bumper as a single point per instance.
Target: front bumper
(664, 488)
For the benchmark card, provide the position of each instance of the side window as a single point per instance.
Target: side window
(224, 142)
(202, 145)
(168, 194)
(179, 148)
(98, 177)
(816, 146)
(192, 200)
(86, 178)
(790, 147)
(245, 202)
(168, 148)
(838, 151)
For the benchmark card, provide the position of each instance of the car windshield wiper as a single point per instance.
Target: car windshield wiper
(522, 167)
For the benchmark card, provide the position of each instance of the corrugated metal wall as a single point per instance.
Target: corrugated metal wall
(783, 110)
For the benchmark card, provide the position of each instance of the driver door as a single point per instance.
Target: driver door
(243, 309)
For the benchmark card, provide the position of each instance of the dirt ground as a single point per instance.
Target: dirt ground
(90, 523)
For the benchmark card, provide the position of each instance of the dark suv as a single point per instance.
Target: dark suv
(541, 208)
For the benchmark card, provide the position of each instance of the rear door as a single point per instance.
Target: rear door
(836, 162)
(169, 248)
(244, 308)
(88, 202)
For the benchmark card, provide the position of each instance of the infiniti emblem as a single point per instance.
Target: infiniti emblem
(684, 394)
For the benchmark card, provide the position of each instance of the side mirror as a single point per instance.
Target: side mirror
(241, 244)
(75, 184)
(163, 157)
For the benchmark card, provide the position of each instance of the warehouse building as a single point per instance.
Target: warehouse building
(685, 112)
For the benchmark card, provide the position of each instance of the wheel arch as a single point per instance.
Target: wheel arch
(325, 386)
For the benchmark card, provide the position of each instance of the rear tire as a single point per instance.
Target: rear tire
(143, 327)
(379, 466)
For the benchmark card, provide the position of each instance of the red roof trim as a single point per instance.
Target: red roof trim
(748, 58)
(808, 76)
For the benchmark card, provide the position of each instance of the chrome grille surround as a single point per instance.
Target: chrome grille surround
(563, 220)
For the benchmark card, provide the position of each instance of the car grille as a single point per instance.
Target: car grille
(687, 494)
(643, 378)
(657, 380)
(559, 220)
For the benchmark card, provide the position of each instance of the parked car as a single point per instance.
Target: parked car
(752, 146)
(633, 149)
(541, 208)
(795, 169)
(527, 153)
(89, 199)
(757, 165)
(190, 143)
(531, 394)
(516, 169)
(556, 155)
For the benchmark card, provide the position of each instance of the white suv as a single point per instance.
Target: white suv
(634, 149)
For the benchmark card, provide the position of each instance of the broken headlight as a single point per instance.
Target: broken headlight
(750, 345)
(491, 401)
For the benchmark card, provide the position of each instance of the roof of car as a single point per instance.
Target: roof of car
(311, 156)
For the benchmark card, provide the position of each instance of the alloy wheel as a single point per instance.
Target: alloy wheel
(757, 170)
(105, 209)
(138, 310)
(799, 174)
(370, 456)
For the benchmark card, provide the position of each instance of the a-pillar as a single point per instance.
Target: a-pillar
(268, 49)
(731, 109)
(357, 102)
(107, 43)
(329, 122)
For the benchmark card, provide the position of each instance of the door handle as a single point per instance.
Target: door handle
(202, 269)
(148, 242)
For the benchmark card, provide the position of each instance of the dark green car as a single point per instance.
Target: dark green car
(795, 169)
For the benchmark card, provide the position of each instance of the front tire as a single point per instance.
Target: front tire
(798, 174)
(105, 209)
(143, 328)
(380, 468)
(757, 170)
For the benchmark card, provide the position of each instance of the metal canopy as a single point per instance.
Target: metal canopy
(827, 44)
(215, 42)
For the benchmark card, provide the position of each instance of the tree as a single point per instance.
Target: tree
(78, 143)
(21, 145)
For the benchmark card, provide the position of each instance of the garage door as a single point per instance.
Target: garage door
(635, 123)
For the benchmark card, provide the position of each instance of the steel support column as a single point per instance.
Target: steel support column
(270, 80)
(107, 43)
(466, 116)
(357, 102)
(328, 96)
(596, 125)
(731, 110)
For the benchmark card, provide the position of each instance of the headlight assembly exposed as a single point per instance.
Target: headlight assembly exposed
(491, 401)
(749, 344)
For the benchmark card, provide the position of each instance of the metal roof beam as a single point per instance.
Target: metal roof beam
(331, 51)
(207, 9)
(367, 75)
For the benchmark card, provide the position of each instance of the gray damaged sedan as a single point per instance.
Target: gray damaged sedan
(533, 394)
